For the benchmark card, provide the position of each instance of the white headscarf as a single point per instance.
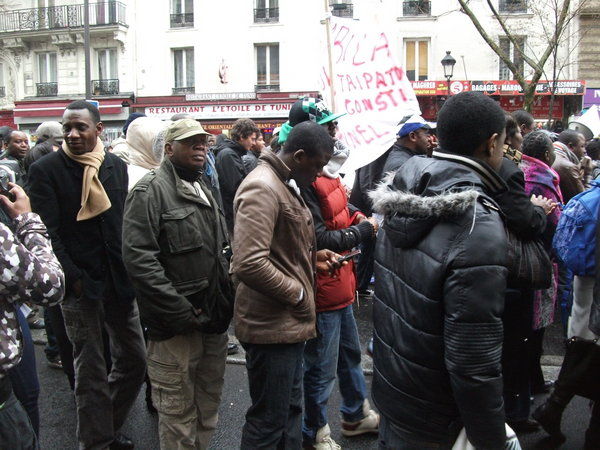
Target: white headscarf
(141, 138)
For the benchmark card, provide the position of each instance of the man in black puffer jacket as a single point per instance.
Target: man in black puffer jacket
(440, 270)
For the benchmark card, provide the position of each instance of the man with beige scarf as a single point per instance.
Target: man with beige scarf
(79, 191)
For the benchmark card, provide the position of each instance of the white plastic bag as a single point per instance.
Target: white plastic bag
(462, 443)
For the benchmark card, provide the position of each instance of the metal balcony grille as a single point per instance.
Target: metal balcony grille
(342, 9)
(266, 87)
(266, 15)
(185, 20)
(416, 8)
(46, 89)
(57, 17)
(512, 6)
(105, 87)
(184, 90)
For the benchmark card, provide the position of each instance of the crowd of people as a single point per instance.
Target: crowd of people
(478, 231)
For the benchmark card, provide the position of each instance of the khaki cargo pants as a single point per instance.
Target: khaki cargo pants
(187, 374)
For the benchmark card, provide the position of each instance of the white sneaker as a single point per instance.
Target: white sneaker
(369, 424)
(323, 441)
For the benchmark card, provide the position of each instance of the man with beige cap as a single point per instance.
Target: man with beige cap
(173, 252)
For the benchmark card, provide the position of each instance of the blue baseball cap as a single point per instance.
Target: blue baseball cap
(412, 123)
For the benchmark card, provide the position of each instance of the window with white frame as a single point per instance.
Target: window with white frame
(47, 71)
(342, 8)
(515, 56)
(512, 6)
(266, 11)
(416, 59)
(267, 65)
(105, 12)
(107, 63)
(182, 13)
(183, 68)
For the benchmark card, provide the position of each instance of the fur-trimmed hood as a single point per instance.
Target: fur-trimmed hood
(388, 200)
(424, 192)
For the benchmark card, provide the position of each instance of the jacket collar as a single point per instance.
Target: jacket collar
(236, 147)
(276, 164)
(491, 180)
(182, 189)
(563, 151)
(401, 148)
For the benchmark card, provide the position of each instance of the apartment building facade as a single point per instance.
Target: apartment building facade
(248, 58)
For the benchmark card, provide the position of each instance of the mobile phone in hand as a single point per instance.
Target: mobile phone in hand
(6, 176)
(349, 256)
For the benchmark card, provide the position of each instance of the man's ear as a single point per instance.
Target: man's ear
(299, 155)
(99, 128)
(168, 149)
(490, 144)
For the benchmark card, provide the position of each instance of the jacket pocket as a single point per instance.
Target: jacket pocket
(181, 229)
(195, 292)
(190, 287)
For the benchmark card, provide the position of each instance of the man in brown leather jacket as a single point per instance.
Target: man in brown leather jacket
(569, 149)
(274, 255)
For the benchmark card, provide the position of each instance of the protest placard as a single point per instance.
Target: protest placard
(369, 85)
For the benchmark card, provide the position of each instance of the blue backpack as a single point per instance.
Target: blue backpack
(575, 238)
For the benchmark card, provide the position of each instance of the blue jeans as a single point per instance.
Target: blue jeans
(24, 377)
(335, 349)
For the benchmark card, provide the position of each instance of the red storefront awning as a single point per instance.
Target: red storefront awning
(55, 108)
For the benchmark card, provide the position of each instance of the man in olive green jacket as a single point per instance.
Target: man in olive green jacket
(174, 238)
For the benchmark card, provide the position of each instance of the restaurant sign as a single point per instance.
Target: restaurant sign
(222, 111)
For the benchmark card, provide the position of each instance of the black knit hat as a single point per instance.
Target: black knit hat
(130, 119)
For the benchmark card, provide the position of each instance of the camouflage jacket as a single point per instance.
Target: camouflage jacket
(29, 271)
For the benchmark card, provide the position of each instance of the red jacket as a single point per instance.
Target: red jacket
(339, 292)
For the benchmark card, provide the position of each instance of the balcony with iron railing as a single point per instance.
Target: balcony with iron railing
(47, 89)
(2, 91)
(512, 6)
(184, 90)
(266, 88)
(416, 8)
(62, 17)
(182, 20)
(342, 9)
(266, 15)
(105, 87)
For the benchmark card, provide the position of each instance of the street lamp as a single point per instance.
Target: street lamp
(448, 64)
